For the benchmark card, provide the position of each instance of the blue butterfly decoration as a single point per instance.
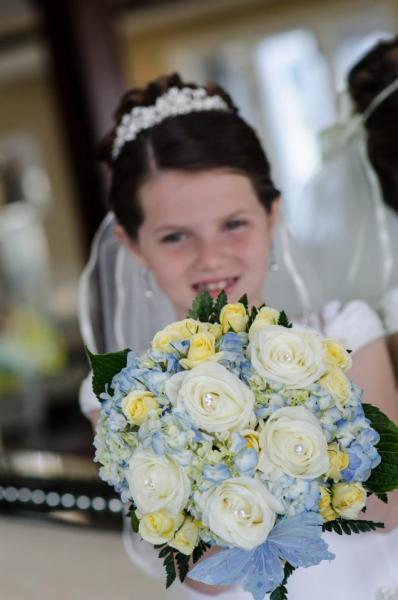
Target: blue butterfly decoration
(297, 540)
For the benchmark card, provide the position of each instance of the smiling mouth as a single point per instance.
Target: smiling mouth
(214, 287)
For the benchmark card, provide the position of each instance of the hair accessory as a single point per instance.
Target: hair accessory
(176, 101)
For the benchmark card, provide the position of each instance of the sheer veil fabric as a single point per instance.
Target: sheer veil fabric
(348, 232)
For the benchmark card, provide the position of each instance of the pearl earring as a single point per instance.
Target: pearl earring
(148, 288)
(274, 266)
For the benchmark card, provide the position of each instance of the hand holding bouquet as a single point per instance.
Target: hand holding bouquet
(236, 430)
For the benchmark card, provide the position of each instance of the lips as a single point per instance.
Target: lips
(214, 287)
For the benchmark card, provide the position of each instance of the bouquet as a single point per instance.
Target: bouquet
(239, 431)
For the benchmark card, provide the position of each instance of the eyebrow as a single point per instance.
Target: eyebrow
(166, 228)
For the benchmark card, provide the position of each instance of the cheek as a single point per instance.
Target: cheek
(168, 264)
(253, 248)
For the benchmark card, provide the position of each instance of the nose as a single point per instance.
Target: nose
(210, 254)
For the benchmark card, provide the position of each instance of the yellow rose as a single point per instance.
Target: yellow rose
(186, 538)
(136, 406)
(175, 332)
(251, 438)
(266, 316)
(336, 356)
(214, 328)
(348, 499)
(325, 505)
(201, 347)
(159, 527)
(338, 385)
(233, 316)
(338, 461)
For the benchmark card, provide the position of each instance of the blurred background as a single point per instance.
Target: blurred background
(63, 66)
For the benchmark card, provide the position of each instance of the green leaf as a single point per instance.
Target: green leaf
(283, 320)
(199, 551)
(245, 301)
(183, 565)
(349, 526)
(252, 316)
(202, 307)
(170, 568)
(134, 521)
(280, 593)
(164, 551)
(382, 497)
(384, 478)
(105, 367)
(219, 304)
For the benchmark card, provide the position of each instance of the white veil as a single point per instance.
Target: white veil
(349, 233)
(115, 311)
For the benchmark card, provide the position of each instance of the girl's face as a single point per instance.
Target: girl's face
(203, 231)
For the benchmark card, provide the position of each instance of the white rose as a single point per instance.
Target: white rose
(241, 511)
(292, 441)
(215, 399)
(293, 357)
(157, 483)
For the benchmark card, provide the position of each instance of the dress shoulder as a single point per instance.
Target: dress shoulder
(87, 399)
(356, 324)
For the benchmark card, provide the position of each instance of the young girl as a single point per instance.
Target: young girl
(195, 205)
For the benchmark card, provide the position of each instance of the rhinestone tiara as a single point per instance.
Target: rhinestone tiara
(176, 101)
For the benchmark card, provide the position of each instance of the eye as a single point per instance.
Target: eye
(234, 224)
(175, 236)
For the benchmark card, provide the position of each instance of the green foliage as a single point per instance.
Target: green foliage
(202, 307)
(245, 301)
(348, 526)
(384, 478)
(252, 315)
(206, 310)
(182, 561)
(105, 367)
(283, 320)
(280, 593)
(199, 551)
(220, 302)
(382, 497)
(169, 563)
(175, 562)
(134, 521)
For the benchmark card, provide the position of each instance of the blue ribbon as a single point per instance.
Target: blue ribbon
(259, 571)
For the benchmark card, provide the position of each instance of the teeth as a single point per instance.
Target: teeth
(219, 285)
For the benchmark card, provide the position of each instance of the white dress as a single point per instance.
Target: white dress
(365, 567)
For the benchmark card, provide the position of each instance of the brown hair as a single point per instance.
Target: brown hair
(192, 142)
